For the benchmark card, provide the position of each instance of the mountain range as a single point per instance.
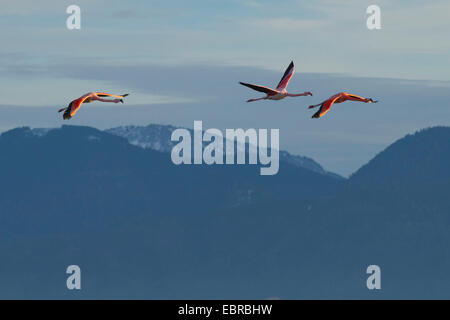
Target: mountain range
(157, 137)
(139, 226)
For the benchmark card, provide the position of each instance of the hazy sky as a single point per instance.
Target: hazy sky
(181, 61)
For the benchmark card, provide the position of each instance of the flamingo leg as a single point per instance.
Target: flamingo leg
(358, 99)
(299, 94)
(107, 100)
(251, 100)
(315, 105)
(353, 97)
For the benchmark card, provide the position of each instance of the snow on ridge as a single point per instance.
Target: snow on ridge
(40, 132)
(157, 137)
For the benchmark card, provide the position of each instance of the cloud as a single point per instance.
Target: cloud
(60, 90)
(48, 7)
(321, 36)
(283, 24)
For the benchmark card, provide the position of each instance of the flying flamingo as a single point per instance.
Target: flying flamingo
(338, 98)
(73, 107)
(280, 91)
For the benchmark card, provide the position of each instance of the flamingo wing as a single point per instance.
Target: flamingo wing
(325, 107)
(286, 77)
(75, 105)
(267, 90)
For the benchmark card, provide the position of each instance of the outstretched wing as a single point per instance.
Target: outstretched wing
(286, 77)
(325, 107)
(269, 91)
(102, 94)
(76, 104)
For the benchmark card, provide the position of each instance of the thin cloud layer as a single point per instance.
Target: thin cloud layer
(321, 36)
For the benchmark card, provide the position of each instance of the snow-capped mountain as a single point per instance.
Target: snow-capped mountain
(157, 137)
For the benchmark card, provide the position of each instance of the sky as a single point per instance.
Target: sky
(181, 61)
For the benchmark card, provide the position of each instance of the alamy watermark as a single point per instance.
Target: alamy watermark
(374, 280)
(239, 144)
(74, 20)
(74, 280)
(373, 22)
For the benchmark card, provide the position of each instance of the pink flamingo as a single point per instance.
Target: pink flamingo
(338, 98)
(73, 107)
(280, 91)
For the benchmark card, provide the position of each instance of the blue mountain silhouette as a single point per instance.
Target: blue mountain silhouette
(141, 227)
